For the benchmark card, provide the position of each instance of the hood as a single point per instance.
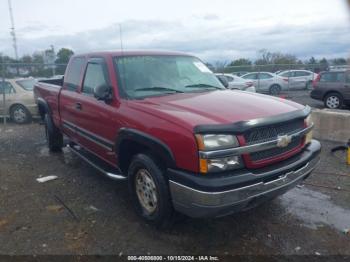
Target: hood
(215, 107)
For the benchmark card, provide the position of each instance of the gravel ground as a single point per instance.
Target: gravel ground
(306, 220)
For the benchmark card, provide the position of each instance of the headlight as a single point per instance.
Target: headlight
(308, 136)
(214, 142)
(211, 142)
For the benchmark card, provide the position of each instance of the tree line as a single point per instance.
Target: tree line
(48, 63)
(39, 64)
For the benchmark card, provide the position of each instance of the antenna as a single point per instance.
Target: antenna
(13, 32)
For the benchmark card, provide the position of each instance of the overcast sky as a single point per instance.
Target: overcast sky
(212, 30)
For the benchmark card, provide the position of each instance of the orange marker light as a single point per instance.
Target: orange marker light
(200, 142)
(203, 166)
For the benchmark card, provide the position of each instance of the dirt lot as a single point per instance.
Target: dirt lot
(306, 220)
(310, 219)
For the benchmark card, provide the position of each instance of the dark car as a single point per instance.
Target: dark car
(333, 88)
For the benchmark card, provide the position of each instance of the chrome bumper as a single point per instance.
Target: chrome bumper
(196, 203)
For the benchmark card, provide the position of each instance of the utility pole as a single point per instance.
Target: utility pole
(13, 32)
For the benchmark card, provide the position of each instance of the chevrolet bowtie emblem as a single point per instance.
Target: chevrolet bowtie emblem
(283, 141)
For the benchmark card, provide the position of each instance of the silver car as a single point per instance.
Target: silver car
(266, 82)
(299, 79)
(236, 82)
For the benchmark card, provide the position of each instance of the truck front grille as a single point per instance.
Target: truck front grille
(268, 133)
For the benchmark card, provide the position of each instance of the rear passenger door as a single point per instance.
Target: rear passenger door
(68, 100)
(300, 79)
(265, 81)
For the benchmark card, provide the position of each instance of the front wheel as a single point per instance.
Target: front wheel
(149, 190)
(333, 101)
(275, 90)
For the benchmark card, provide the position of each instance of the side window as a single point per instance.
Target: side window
(250, 76)
(264, 76)
(73, 73)
(339, 77)
(7, 88)
(348, 78)
(286, 74)
(95, 75)
(326, 77)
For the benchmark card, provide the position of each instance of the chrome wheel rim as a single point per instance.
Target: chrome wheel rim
(333, 102)
(146, 191)
(19, 115)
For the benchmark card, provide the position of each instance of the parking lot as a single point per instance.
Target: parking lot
(82, 212)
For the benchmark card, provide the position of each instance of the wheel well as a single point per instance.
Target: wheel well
(332, 92)
(275, 85)
(42, 111)
(17, 104)
(128, 149)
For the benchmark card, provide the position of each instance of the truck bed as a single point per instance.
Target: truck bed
(48, 91)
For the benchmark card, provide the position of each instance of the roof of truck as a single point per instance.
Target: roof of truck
(132, 53)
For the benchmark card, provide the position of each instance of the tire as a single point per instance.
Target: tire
(275, 90)
(54, 137)
(149, 190)
(333, 101)
(20, 114)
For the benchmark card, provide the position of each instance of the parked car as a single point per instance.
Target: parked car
(163, 122)
(299, 79)
(333, 88)
(236, 82)
(266, 82)
(19, 99)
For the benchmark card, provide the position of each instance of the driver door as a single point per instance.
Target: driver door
(95, 128)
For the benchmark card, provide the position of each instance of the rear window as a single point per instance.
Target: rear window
(73, 73)
(27, 84)
(332, 77)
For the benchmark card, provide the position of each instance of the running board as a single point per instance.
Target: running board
(97, 163)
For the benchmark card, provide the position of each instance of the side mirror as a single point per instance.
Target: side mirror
(223, 80)
(103, 92)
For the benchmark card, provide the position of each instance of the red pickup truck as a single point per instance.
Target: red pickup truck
(185, 143)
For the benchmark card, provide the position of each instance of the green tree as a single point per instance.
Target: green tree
(312, 61)
(63, 55)
(241, 62)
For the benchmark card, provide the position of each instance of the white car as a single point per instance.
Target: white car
(299, 79)
(236, 82)
(266, 82)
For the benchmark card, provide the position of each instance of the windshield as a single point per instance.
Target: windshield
(145, 76)
(27, 84)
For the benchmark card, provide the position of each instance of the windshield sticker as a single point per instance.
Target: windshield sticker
(202, 67)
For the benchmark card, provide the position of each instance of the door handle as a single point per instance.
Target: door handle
(78, 106)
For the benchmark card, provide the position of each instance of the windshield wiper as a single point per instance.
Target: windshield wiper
(203, 85)
(158, 88)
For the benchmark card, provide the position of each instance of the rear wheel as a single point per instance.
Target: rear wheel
(149, 189)
(54, 137)
(20, 114)
(275, 90)
(333, 101)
